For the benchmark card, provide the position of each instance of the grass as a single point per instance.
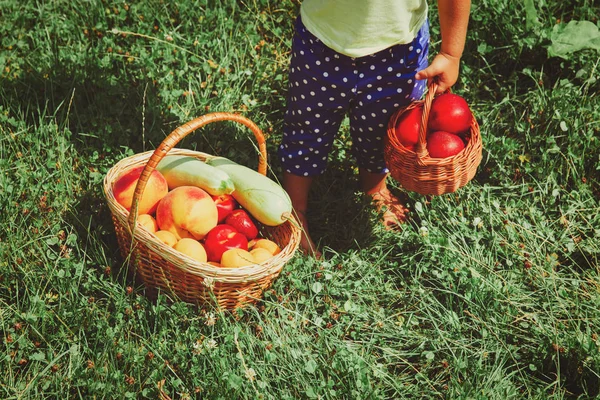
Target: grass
(489, 293)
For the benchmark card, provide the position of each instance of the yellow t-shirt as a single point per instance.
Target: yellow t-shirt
(358, 28)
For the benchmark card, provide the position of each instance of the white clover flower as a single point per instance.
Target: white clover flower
(210, 319)
(197, 347)
(477, 222)
(211, 344)
(424, 231)
(250, 374)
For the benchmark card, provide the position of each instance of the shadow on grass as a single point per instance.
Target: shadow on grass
(339, 217)
(576, 376)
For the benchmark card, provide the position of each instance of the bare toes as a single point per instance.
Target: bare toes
(394, 213)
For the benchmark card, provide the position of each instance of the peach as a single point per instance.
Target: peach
(267, 244)
(234, 258)
(124, 187)
(148, 222)
(187, 211)
(261, 255)
(191, 248)
(166, 237)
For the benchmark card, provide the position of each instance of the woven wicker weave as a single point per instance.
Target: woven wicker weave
(416, 170)
(162, 267)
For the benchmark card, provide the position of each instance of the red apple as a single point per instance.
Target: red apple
(225, 205)
(242, 222)
(450, 113)
(442, 144)
(407, 127)
(222, 238)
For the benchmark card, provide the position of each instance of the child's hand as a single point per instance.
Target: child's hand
(444, 68)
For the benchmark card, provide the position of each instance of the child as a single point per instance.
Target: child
(364, 59)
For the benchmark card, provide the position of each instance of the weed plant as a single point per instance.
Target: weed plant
(492, 292)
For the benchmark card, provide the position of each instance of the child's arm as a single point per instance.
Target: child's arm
(454, 18)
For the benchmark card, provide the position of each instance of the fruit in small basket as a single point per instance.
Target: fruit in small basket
(190, 171)
(262, 197)
(450, 113)
(124, 188)
(148, 222)
(261, 255)
(442, 144)
(166, 237)
(187, 211)
(225, 205)
(222, 238)
(408, 126)
(241, 221)
(235, 258)
(268, 245)
(191, 248)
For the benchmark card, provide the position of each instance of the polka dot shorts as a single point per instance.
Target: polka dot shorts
(325, 86)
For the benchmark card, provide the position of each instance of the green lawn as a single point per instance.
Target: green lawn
(492, 292)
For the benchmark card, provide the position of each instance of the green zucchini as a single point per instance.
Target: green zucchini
(190, 171)
(262, 197)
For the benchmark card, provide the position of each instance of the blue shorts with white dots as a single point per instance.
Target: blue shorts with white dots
(325, 86)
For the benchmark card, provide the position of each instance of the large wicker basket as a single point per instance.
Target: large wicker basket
(162, 267)
(416, 170)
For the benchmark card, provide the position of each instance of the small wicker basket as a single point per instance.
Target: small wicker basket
(161, 267)
(416, 170)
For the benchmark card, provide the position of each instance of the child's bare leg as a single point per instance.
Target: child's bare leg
(298, 187)
(394, 212)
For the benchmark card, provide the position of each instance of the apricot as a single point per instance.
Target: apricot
(187, 212)
(155, 190)
(192, 248)
(235, 258)
(166, 237)
(261, 254)
(148, 222)
(267, 244)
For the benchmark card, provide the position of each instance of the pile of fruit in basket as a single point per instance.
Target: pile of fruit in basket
(208, 210)
(447, 128)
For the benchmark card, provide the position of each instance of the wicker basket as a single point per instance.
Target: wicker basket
(162, 267)
(416, 170)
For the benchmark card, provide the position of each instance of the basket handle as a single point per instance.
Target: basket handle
(421, 146)
(178, 134)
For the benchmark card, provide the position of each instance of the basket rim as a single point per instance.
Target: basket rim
(187, 264)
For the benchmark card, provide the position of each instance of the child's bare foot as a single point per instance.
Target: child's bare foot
(307, 246)
(394, 213)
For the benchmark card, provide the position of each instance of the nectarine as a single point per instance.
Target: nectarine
(260, 255)
(124, 187)
(192, 248)
(267, 244)
(166, 237)
(450, 113)
(234, 258)
(187, 211)
(442, 144)
(408, 126)
(148, 222)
